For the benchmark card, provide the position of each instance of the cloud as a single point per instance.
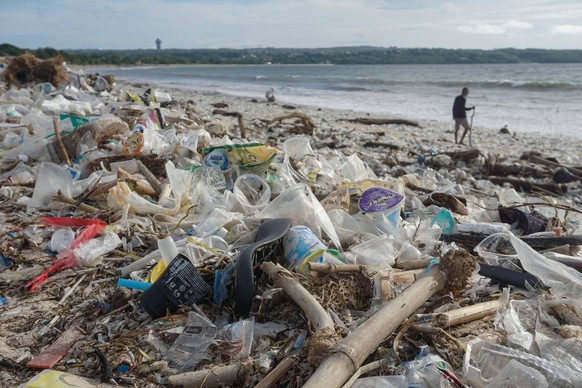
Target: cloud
(517, 25)
(566, 29)
(496, 29)
(482, 28)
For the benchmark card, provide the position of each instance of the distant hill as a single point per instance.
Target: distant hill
(333, 55)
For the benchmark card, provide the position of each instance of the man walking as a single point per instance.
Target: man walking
(460, 114)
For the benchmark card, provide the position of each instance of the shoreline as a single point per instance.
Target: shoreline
(433, 134)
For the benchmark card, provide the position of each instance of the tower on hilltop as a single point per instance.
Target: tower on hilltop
(158, 44)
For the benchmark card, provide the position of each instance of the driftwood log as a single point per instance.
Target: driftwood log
(554, 188)
(517, 170)
(466, 314)
(465, 156)
(377, 121)
(276, 374)
(370, 144)
(309, 126)
(345, 358)
(318, 317)
(214, 377)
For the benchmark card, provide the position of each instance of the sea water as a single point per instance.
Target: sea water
(545, 98)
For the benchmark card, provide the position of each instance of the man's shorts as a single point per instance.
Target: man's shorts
(461, 122)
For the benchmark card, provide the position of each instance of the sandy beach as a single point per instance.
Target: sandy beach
(419, 158)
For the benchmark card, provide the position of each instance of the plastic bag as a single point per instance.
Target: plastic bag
(59, 104)
(396, 381)
(515, 374)
(562, 280)
(299, 204)
(88, 253)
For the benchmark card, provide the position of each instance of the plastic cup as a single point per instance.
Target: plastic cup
(383, 206)
(301, 245)
(408, 252)
(252, 192)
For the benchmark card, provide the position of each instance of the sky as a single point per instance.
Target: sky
(133, 24)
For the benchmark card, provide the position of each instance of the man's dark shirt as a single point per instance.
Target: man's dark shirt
(459, 110)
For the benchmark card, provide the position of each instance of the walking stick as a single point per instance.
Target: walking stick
(471, 126)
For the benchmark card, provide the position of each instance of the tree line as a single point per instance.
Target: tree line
(333, 55)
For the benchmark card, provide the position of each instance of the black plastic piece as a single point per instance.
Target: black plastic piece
(179, 284)
(508, 276)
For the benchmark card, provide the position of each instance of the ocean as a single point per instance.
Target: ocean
(543, 98)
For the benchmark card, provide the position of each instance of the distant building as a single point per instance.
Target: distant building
(158, 44)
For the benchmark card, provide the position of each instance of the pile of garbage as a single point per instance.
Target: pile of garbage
(146, 242)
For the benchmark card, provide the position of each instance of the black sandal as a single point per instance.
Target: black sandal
(268, 244)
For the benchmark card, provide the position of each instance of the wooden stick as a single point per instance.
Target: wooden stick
(104, 188)
(318, 317)
(60, 197)
(346, 357)
(214, 377)
(149, 176)
(328, 268)
(60, 141)
(539, 160)
(276, 374)
(241, 125)
(466, 314)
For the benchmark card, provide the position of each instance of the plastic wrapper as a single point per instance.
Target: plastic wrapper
(354, 169)
(345, 225)
(188, 349)
(20, 96)
(497, 250)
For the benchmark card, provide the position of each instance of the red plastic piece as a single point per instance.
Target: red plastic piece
(66, 259)
(50, 356)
